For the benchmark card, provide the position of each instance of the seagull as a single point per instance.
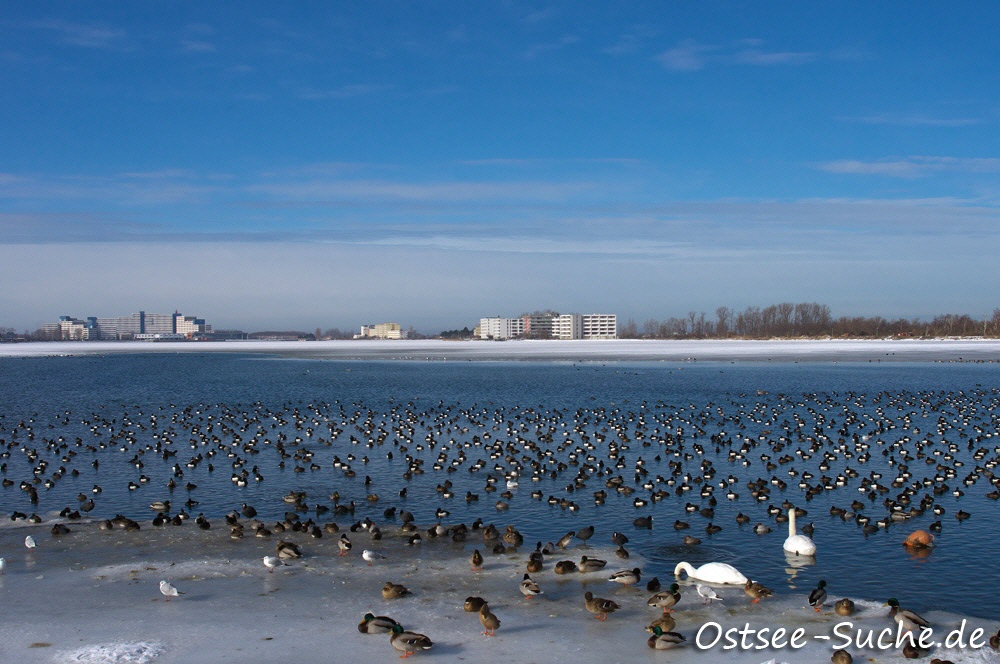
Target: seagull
(270, 562)
(29, 542)
(709, 594)
(371, 556)
(168, 590)
(3, 565)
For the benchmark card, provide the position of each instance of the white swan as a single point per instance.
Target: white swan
(800, 545)
(712, 573)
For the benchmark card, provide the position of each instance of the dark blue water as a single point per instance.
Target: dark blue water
(144, 417)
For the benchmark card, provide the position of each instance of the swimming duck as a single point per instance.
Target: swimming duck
(600, 606)
(756, 591)
(844, 607)
(372, 624)
(904, 617)
(408, 642)
(488, 619)
(626, 577)
(666, 599)
(818, 596)
(661, 640)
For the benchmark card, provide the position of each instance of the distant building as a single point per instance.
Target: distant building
(550, 326)
(382, 331)
(135, 326)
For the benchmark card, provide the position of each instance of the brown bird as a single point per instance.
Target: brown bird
(476, 561)
(489, 620)
(756, 591)
(600, 606)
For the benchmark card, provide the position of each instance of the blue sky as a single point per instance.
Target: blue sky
(318, 164)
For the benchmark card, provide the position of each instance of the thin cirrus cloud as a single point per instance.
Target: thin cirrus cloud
(691, 55)
(915, 120)
(86, 35)
(913, 167)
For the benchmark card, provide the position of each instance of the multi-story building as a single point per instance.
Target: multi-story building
(135, 326)
(551, 326)
(501, 328)
(382, 331)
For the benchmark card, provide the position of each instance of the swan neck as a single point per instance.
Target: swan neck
(791, 522)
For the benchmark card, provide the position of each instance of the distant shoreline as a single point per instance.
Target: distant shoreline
(617, 350)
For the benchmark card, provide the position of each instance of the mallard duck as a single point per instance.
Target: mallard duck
(534, 565)
(666, 599)
(287, 550)
(344, 544)
(372, 624)
(665, 622)
(488, 619)
(600, 606)
(476, 561)
(661, 640)
(995, 641)
(473, 604)
(529, 588)
(408, 642)
(904, 617)
(626, 577)
(622, 552)
(564, 541)
(565, 567)
(756, 591)
(911, 651)
(818, 596)
(394, 590)
(844, 607)
(841, 657)
(591, 564)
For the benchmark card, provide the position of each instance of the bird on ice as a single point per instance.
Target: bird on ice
(3, 565)
(708, 594)
(270, 562)
(371, 556)
(29, 542)
(168, 590)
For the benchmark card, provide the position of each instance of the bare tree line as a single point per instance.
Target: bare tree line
(806, 319)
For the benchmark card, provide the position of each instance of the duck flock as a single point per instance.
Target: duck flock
(696, 481)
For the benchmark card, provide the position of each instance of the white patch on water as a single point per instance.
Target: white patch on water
(113, 653)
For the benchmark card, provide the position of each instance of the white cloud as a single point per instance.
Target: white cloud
(913, 167)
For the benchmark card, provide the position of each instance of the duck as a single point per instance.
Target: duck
(666, 599)
(473, 604)
(661, 640)
(489, 620)
(664, 621)
(756, 591)
(841, 657)
(599, 606)
(591, 564)
(394, 590)
(721, 573)
(529, 588)
(344, 544)
(565, 567)
(653, 585)
(372, 624)
(995, 641)
(844, 607)
(904, 617)
(800, 545)
(408, 642)
(626, 577)
(476, 561)
(818, 596)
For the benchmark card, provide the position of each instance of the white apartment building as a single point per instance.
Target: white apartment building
(500, 328)
(557, 326)
(382, 331)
